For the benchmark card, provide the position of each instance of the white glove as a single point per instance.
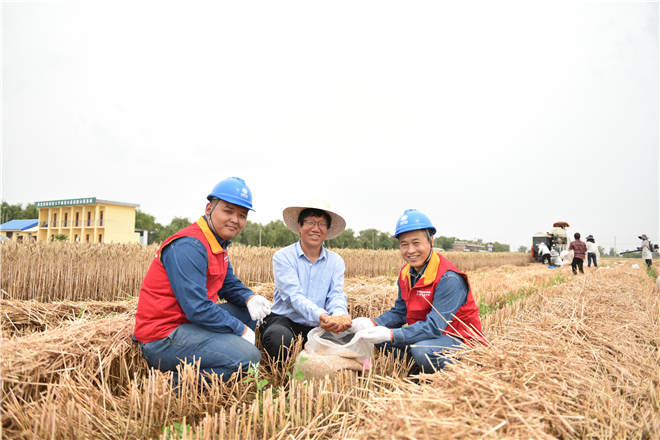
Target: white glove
(360, 324)
(248, 335)
(376, 335)
(259, 307)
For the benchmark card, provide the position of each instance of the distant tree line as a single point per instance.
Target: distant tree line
(16, 212)
(273, 234)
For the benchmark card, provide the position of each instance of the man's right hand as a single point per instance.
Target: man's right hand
(248, 335)
(328, 325)
(362, 324)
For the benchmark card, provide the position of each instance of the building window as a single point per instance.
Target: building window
(87, 239)
(101, 220)
(9, 234)
(77, 219)
(89, 220)
(100, 238)
(66, 220)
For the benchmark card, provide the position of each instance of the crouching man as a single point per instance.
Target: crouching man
(309, 280)
(435, 301)
(178, 318)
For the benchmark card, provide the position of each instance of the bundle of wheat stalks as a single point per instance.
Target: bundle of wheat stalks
(573, 360)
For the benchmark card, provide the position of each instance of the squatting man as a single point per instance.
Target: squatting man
(435, 312)
(178, 318)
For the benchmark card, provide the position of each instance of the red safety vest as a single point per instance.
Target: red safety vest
(419, 299)
(158, 311)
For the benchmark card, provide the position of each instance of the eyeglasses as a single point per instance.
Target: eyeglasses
(311, 224)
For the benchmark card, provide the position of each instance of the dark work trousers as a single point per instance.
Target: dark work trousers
(578, 263)
(591, 257)
(649, 263)
(545, 259)
(278, 331)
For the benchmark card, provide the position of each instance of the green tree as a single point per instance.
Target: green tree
(386, 241)
(445, 243)
(249, 236)
(160, 233)
(522, 249)
(499, 247)
(367, 238)
(276, 234)
(601, 251)
(345, 240)
(612, 252)
(60, 237)
(16, 212)
(144, 221)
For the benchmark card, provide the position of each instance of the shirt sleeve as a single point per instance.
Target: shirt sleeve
(396, 316)
(233, 290)
(336, 302)
(449, 295)
(290, 290)
(186, 262)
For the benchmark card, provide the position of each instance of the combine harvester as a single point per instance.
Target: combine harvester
(556, 240)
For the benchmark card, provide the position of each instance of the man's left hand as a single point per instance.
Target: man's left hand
(376, 335)
(259, 307)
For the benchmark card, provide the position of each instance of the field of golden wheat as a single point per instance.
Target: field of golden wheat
(568, 357)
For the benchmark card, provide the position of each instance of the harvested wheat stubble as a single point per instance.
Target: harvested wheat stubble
(577, 360)
(83, 348)
(20, 318)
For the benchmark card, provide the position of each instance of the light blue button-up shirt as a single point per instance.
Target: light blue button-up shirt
(305, 290)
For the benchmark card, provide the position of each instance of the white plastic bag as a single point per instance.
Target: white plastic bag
(327, 354)
(344, 345)
(567, 257)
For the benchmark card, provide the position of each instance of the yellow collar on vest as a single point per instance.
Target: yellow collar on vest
(210, 237)
(429, 274)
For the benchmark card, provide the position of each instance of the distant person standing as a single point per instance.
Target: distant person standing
(579, 249)
(592, 251)
(647, 252)
(490, 247)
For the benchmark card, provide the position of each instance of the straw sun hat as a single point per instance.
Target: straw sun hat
(337, 223)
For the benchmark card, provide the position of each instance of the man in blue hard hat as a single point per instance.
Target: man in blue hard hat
(178, 318)
(435, 312)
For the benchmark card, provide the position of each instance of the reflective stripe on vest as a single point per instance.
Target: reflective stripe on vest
(466, 324)
(158, 311)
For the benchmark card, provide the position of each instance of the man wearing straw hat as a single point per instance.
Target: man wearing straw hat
(178, 318)
(309, 279)
(434, 313)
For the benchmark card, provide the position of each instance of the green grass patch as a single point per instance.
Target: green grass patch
(512, 296)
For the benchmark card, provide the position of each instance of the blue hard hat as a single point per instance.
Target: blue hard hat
(412, 220)
(233, 190)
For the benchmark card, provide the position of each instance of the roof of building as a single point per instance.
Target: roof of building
(19, 225)
(80, 201)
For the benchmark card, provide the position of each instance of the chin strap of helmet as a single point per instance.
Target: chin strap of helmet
(215, 203)
(429, 236)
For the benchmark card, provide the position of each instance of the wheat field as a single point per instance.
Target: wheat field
(63, 271)
(568, 357)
